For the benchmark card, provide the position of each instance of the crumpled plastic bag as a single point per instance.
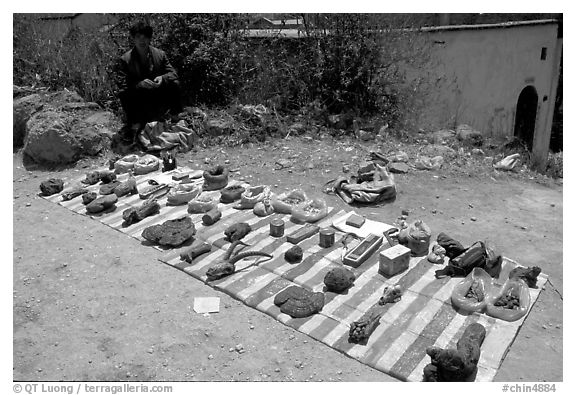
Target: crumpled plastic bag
(310, 211)
(253, 195)
(516, 287)
(508, 162)
(426, 163)
(416, 237)
(381, 188)
(161, 136)
(483, 288)
(285, 202)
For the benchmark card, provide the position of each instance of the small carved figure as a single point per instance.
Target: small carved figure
(170, 233)
(133, 215)
(237, 231)
(51, 186)
(294, 254)
(299, 302)
(529, 275)
(459, 364)
(339, 279)
(227, 266)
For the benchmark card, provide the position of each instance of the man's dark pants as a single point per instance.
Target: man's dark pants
(146, 105)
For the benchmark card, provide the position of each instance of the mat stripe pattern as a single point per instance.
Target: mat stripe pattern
(424, 317)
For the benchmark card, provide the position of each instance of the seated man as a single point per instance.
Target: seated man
(147, 83)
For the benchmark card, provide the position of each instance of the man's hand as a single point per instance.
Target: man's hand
(158, 80)
(149, 84)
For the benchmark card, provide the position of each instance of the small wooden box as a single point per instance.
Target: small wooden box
(394, 260)
(305, 232)
(355, 220)
(362, 251)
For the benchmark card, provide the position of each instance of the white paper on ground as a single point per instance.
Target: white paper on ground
(207, 305)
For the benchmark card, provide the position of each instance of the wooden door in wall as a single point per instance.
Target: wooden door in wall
(526, 111)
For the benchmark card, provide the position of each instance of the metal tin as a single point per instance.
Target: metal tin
(277, 228)
(327, 237)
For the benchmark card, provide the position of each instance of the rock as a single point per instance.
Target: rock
(56, 137)
(51, 186)
(468, 135)
(297, 128)
(399, 156)
(218, 127)
(365, 136)
(477, 151)
(433, 150)
(398, 167)
(22, 109)
(443, 136)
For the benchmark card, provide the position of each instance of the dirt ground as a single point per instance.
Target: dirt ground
(92, 304)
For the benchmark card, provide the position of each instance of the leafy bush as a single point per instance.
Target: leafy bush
(344, 63)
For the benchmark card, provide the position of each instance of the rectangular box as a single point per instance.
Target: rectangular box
(355, 220)
(362, 251)
(303, 233)
(394, 260)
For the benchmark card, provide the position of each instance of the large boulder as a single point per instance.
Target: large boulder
(23, 109)
(56, 137)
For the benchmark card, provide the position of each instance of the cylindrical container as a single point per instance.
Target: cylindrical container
(277, 228)
(327, 237)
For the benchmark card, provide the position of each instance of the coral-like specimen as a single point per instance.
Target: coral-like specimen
(170, 233)
(299, 302)
(459, 364)
(51, 186)
(102, 203)
(361, 330)
(294, 254)
(529, 275)
(237, 231)
(339, 279)
(133, 215)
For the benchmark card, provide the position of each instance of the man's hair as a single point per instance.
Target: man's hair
(141, 27)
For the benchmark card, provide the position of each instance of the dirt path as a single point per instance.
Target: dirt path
(91, 304)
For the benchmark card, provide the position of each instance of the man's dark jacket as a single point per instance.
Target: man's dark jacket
(131, 69)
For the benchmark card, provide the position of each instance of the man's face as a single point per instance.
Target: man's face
(141, 41)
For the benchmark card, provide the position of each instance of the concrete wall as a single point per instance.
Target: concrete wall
(477, 75)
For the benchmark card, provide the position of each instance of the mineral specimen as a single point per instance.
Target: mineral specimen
(195, 251)
(294, 254)
(102, 203)
(89, 197)
(133, 215)
(459, 364)
(237, 231)
(51, 186)
(361, 330)
(339, 279)
(126, 187)
(170, 233)
(299, 302)
(529, 275)
(74, 192)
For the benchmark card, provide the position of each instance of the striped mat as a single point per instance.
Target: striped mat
(424, 317)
